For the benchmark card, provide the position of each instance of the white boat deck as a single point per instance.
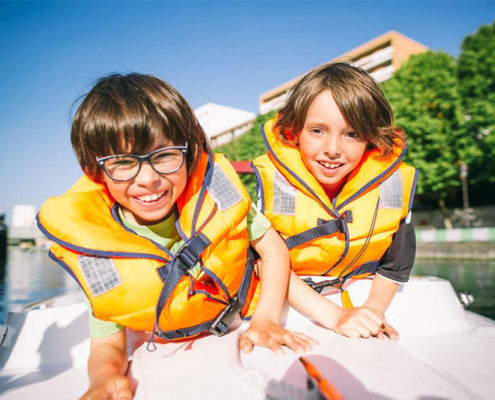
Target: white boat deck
(444, 353)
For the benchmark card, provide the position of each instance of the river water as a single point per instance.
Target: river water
(30, 276)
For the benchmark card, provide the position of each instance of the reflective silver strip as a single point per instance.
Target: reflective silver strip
(223, 190)
(391, 191)
(284, 196)
(100, 274)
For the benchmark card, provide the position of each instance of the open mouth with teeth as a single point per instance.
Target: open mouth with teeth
(151, 198)
(329, 165)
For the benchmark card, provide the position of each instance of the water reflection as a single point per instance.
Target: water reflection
(31, 276)
(473, 277)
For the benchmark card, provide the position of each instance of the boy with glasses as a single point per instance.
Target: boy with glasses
(157, 232)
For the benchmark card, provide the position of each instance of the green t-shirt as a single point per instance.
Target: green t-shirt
(165, 234)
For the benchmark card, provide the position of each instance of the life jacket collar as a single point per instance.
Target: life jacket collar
(376, 166)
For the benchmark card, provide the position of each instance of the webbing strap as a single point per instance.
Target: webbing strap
(185, 333)
(246, 279)
(173, 272)
(366, 268)
(223, 321)
(324, 228)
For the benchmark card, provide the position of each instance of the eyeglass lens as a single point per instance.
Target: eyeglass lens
(127, 167)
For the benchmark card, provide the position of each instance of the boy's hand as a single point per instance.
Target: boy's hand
(110, 387)
(388, 330)
(361, 322)
(266, 333)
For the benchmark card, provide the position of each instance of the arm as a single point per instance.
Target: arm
(381, 294)
(394, 269)
(264, 329)
(107, 366)
(352, 322)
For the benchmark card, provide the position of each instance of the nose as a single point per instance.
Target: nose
(147, 176)
(333, 145)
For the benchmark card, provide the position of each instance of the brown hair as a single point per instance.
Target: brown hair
(358, 96)
(128, 114)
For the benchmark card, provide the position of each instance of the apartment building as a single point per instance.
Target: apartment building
(380, 57)
(223, 124)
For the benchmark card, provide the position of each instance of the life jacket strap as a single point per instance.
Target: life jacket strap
(172, 272)
(366, 268)
(324, 228)
(224, 320)
(319, 286)
(222, 323)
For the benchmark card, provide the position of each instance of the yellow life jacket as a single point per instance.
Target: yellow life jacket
(345, 237)
(134, 281)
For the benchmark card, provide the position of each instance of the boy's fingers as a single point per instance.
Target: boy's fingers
(264, 339)
(273, 345)
(391, 332)
(351, 333)
(362, 330)
(306, 342)
(302, 336)
(376, 316)
(292, 342)
(303, 344)
(246, 344)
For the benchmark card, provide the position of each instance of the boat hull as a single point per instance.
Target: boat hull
(444, 352)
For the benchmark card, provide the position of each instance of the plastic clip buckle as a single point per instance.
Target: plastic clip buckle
(226, 317)
(187, 256)
(319, 286)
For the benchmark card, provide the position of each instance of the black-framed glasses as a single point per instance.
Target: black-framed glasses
(124, 167)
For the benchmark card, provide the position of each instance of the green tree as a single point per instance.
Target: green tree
(426, 103)
(476, 76)
(247, 147)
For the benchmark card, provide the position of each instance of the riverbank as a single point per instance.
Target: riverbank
(456, 244)
(482, 251)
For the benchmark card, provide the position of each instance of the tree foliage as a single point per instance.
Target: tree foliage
(476, 77)
(447, 110)
(427, 105)
(247, 147)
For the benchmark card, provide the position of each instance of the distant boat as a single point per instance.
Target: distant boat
(444, 352)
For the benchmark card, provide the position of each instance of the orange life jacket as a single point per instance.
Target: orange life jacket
(134, 281)
(345, 237)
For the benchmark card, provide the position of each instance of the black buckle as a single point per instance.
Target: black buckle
(226, 317)
(188, 257)
(319, 286)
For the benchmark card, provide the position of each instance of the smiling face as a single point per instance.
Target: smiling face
(329, 147)
(149, 197)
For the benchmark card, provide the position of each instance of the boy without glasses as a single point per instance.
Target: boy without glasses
(334, 185)
(157, 232)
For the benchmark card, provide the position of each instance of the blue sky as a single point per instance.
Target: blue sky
(226, 52)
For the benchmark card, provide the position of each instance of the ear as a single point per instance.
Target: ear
(291, 137)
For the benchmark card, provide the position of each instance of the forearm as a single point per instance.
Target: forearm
(308, 301)
(108, 356)
(274, 276)
(381, 294)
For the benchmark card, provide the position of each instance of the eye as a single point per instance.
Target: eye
(352, 135)
(169, 155)
(317, 131)
(121, 162)
(163, 155)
